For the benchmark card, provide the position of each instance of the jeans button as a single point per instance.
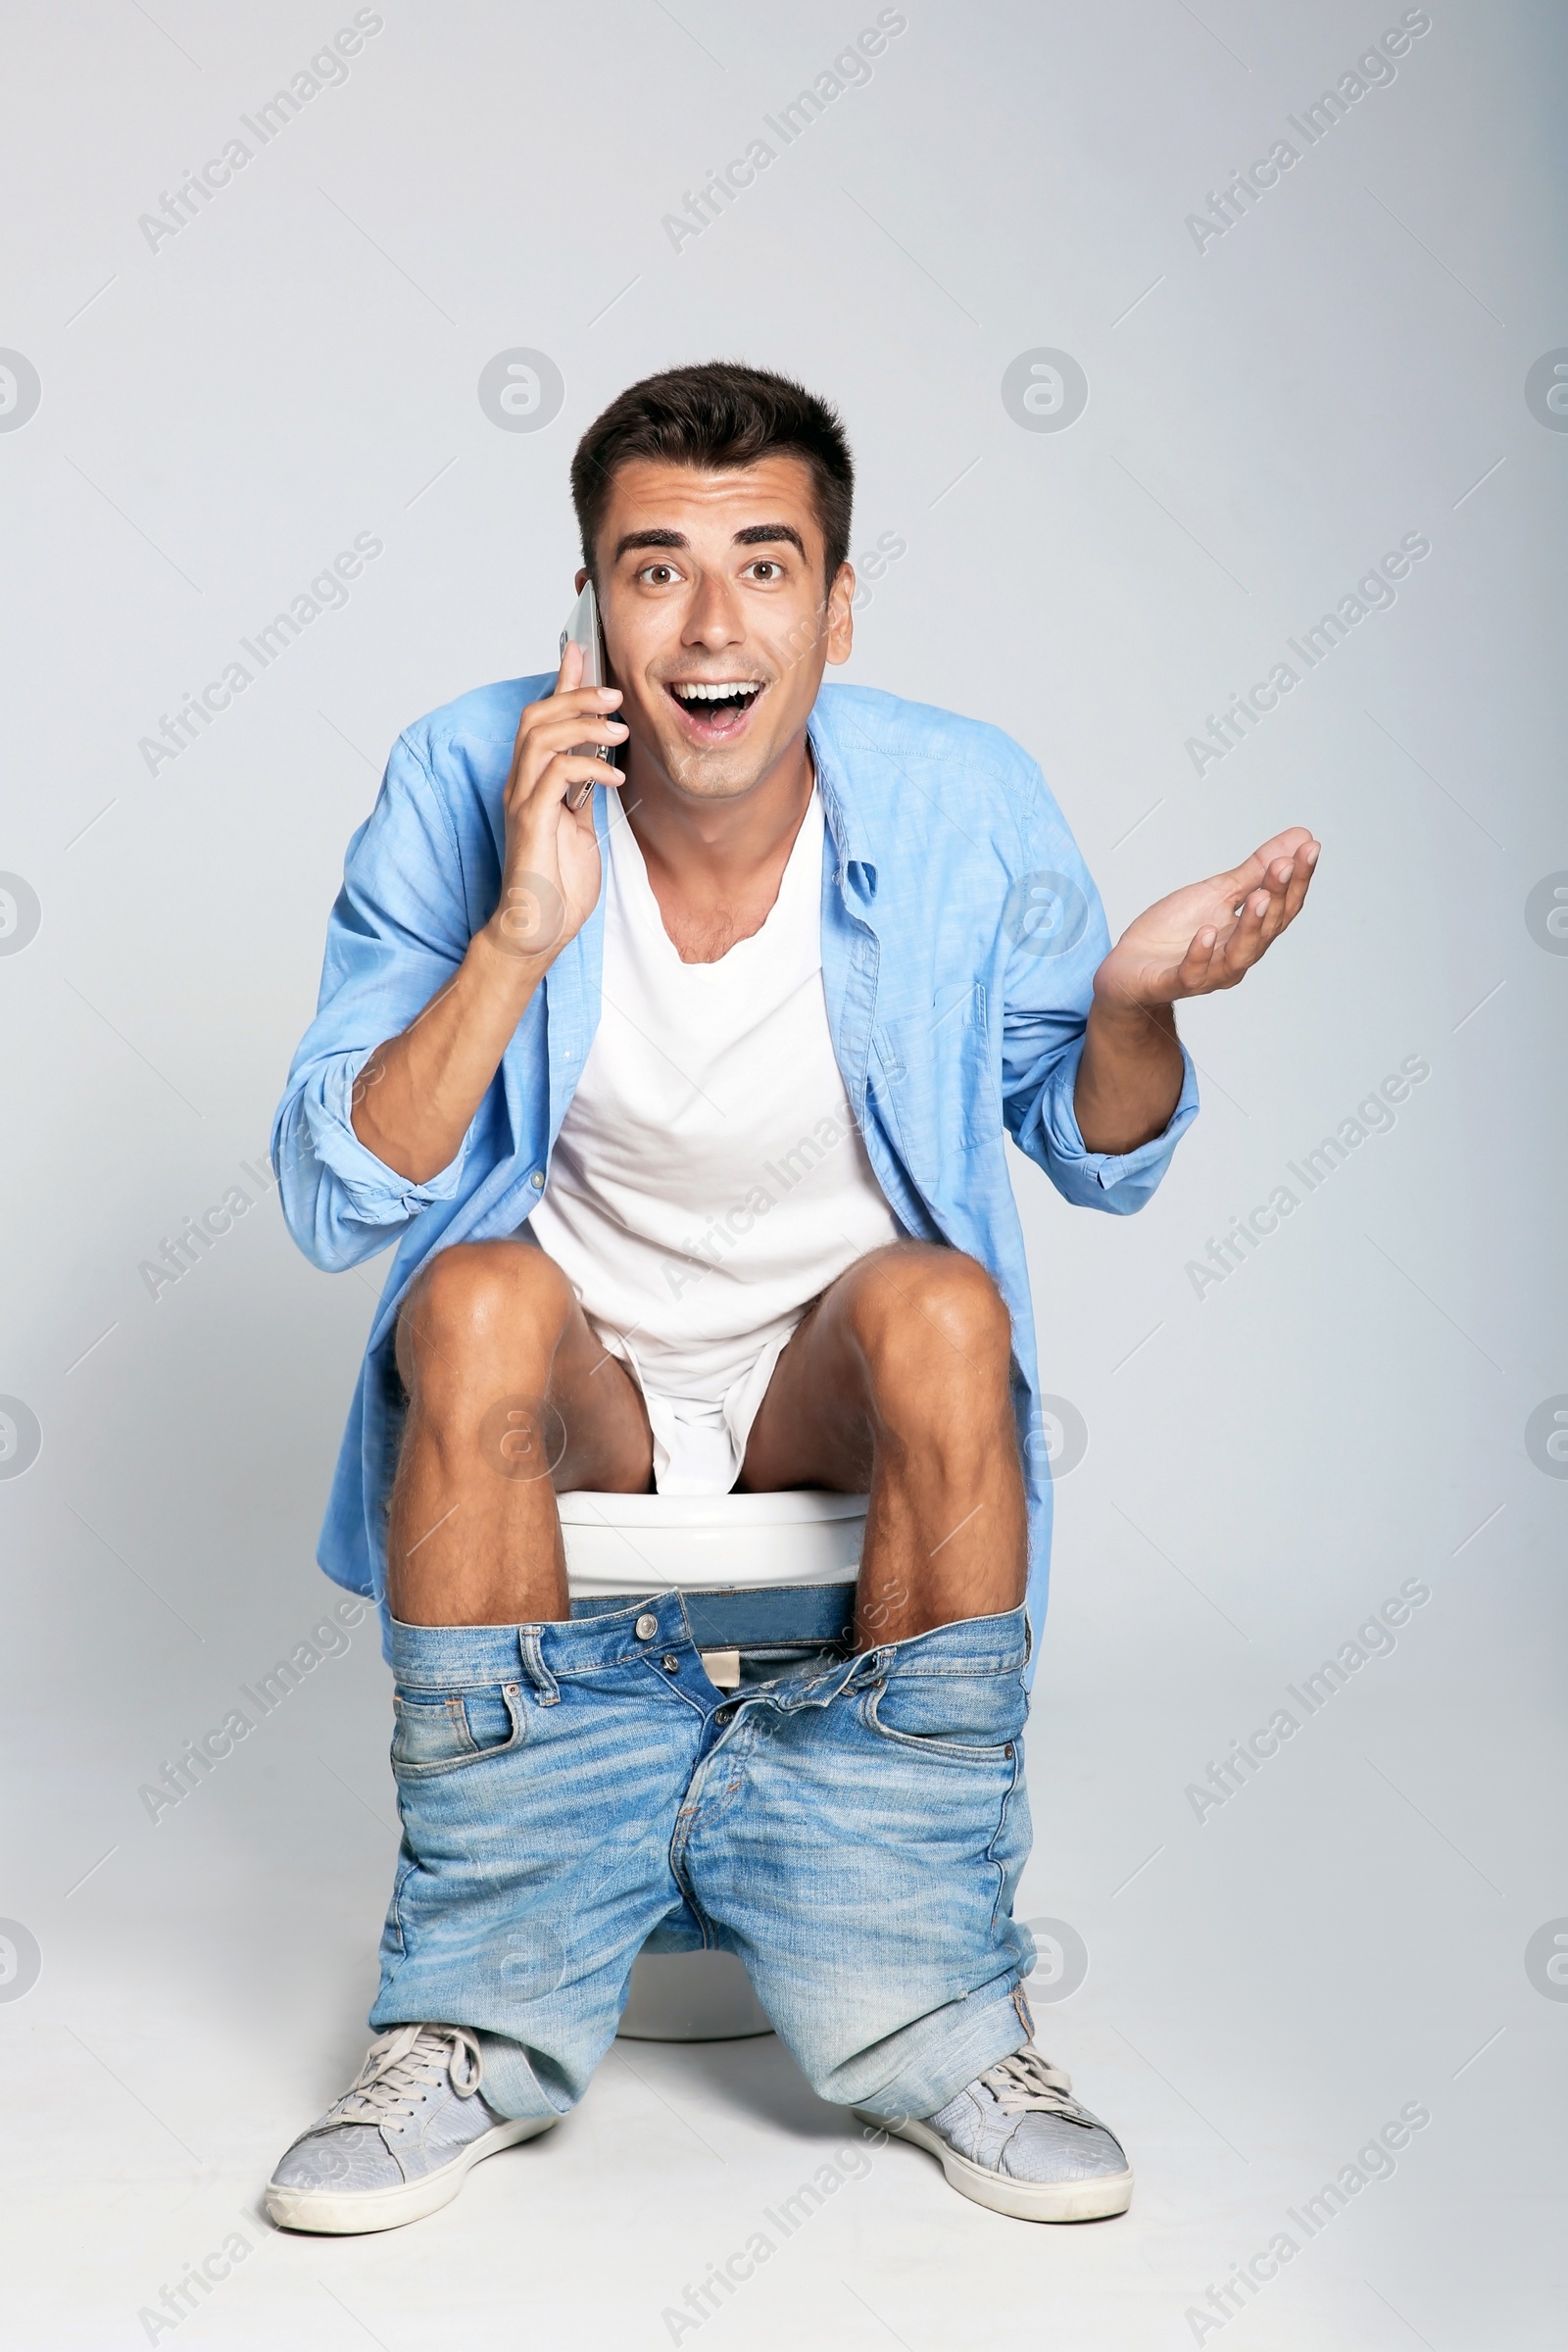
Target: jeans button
(646, 1627)
(724, 1714)
(669, 1662)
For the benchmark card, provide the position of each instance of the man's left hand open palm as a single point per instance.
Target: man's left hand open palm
(1211, 934)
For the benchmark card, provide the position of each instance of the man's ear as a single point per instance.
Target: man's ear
(840, 614)
(582, 574)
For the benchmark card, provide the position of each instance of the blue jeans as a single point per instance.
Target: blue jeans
(853, 1828)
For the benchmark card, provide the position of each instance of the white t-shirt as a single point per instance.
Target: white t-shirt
(708, 1180)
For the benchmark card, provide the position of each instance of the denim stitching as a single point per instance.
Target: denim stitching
(511, 1696)
(530, 1647)
(1010, 1793)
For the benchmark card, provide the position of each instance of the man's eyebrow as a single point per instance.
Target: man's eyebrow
(758, 534)
(649, 539)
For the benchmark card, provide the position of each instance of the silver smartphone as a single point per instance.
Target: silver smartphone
(585, 628)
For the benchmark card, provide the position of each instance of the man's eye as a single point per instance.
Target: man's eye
(764, 568)
(659, 576)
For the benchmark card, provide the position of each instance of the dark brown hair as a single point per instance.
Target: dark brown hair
(717, 416)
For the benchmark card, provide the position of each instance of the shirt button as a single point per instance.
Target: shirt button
(647, 1627)
(537, 1180)
(724, 1714)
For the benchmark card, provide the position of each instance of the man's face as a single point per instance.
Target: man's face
(710, 581)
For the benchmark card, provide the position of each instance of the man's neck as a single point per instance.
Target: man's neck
(715, 866)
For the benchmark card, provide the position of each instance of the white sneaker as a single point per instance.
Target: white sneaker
(400, 2142)
(1018, 2140)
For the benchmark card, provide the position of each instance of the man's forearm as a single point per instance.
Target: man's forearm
(1130, 1076)
(416, 1096)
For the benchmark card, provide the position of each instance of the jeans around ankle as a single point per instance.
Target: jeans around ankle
(853, 1829)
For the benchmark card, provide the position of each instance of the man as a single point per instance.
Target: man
(566, 1052)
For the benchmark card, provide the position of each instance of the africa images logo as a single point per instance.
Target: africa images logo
(20, 1960)
(19, 390)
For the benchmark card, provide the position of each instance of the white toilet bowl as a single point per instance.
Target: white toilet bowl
(649, 1543)
(690, 1996)
(636, 1543)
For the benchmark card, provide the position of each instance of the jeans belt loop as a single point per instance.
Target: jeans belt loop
(530, 1647)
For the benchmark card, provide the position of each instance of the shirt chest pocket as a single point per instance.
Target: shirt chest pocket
(937, 1073)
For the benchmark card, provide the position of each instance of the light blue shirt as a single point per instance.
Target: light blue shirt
(960, 934)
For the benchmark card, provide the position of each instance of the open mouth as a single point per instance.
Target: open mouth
(714, 708)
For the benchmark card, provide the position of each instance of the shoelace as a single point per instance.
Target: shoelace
(402, 2066)
(1027, 2083)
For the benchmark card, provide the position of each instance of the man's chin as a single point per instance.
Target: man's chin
(720, 774)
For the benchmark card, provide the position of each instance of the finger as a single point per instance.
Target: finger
(573, 658)
(1288, 881)
(581, 777)
(1247, 940)
(562, 731)
(567, 781)
(570, 694)
(1288, 844)
(584, 724)
(567, 772)
(1262, 913)
(1281, 876)
(1195, 973)
(1305, 863)
(585, 701)
(557, 721)
(1236, 948)
(1251, 872)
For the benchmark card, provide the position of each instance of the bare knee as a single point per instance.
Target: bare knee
(478, 1303)
(935, 1335)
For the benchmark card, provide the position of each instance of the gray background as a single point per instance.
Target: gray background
(1266, 1464)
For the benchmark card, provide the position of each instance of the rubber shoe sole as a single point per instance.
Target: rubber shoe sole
(1096, 2199)
(340, 2214)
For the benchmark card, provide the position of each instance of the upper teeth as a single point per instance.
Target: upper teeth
(694, 693)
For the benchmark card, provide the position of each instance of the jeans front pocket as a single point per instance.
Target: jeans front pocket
(442, 1731)
(973, 1718)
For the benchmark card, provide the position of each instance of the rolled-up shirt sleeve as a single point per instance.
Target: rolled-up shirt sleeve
(398, 932)
(1056, 937)
(1117, 1180)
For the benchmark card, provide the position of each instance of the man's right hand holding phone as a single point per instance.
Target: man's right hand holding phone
(416, 1096)
(550, 884)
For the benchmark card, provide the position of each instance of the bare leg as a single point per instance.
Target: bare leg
(897, 1384)
(511, 1399)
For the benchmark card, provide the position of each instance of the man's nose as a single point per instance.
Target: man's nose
(713, 617)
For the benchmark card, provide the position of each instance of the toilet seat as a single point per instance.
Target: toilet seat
(637, 1544)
